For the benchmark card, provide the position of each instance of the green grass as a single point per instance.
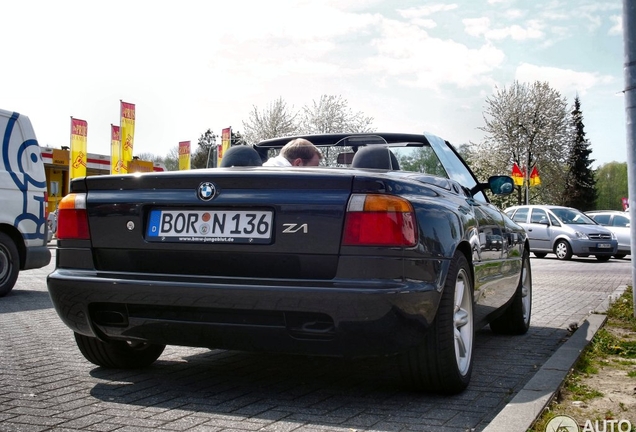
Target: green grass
(605, 344)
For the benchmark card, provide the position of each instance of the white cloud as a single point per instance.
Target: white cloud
(481, 26)
(428, 10)
(414, 58)
(476, 26)
(425, 23)
(516, 32)
(566, 81)
(617, 27)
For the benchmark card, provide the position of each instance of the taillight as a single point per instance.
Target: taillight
(72, 219)
(379, 220)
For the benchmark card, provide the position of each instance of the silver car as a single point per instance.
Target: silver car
(563, 231)
(619, 223)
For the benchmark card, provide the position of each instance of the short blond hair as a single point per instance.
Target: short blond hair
(300, 148)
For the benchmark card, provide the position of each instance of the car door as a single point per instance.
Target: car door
(496, 266)
(521, 217)
(539, 230)
(621, 226)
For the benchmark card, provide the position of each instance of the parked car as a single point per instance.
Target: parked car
(23, 229)
(355, 260)
(563, 231)
(494, 241)
(617, 222)
(52, 223)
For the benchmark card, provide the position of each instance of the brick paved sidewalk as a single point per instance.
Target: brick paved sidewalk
(45, 383)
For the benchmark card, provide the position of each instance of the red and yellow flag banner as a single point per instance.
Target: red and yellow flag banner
(226, 142)
(115, 150)
(77, 161)
(184, 155)
(535, 180)
(517, 175)
(127, 133)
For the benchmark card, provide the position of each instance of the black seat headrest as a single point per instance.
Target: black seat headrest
(375, 157)
(241, 155)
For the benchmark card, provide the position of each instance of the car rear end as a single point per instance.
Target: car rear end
(287, 260)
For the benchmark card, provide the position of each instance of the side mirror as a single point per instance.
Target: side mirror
(501, 185)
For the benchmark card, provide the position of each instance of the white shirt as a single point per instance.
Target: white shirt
(277, 161)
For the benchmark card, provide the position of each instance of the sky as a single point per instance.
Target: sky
(413, 66)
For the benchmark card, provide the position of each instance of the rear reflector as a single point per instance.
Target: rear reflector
(46, 205)
(72, 219)
(379, 220)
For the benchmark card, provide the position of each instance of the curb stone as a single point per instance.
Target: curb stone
(524, 409)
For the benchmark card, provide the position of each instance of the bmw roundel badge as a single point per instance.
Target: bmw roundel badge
(206, 191)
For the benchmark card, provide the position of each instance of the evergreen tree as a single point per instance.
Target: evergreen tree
(580, 184)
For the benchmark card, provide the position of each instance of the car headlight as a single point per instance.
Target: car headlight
(613, 236)
(581, 235)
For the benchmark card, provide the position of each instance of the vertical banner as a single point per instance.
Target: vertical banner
(115, 150)
(226, 142)
(127, 133)
(184, 155)
(77, 161)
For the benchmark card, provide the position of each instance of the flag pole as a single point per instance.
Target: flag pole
(526, 178)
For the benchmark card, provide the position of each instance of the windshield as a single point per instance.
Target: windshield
(572, 217)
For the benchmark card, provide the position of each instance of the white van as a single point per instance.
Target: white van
(23, 201)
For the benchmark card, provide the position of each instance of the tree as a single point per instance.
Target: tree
(277, 120)
(238, 139)
(200, 155)
(149, 157)
(171, 160)
(580, 184)
(331, 114)
(422, 159)
(526, 124)
(611, 185)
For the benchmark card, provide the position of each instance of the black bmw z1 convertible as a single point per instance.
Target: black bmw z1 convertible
(379, 251)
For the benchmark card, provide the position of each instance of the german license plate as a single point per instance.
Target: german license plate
(603, 245)
(206, 226)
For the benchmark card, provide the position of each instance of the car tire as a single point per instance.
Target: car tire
(539, 254)
(516, 318)
(619, 256)
(603, 258)
(118, 354)
(9, 264)
(563, 250)
(443, 363)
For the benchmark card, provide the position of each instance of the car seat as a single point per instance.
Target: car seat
(379, 157)
(241, 155)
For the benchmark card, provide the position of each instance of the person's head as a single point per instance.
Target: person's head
(300, 152)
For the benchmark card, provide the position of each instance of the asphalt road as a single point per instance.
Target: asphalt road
(46, 384)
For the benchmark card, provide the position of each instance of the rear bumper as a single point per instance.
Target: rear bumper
(338, 318)
(36, 257)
